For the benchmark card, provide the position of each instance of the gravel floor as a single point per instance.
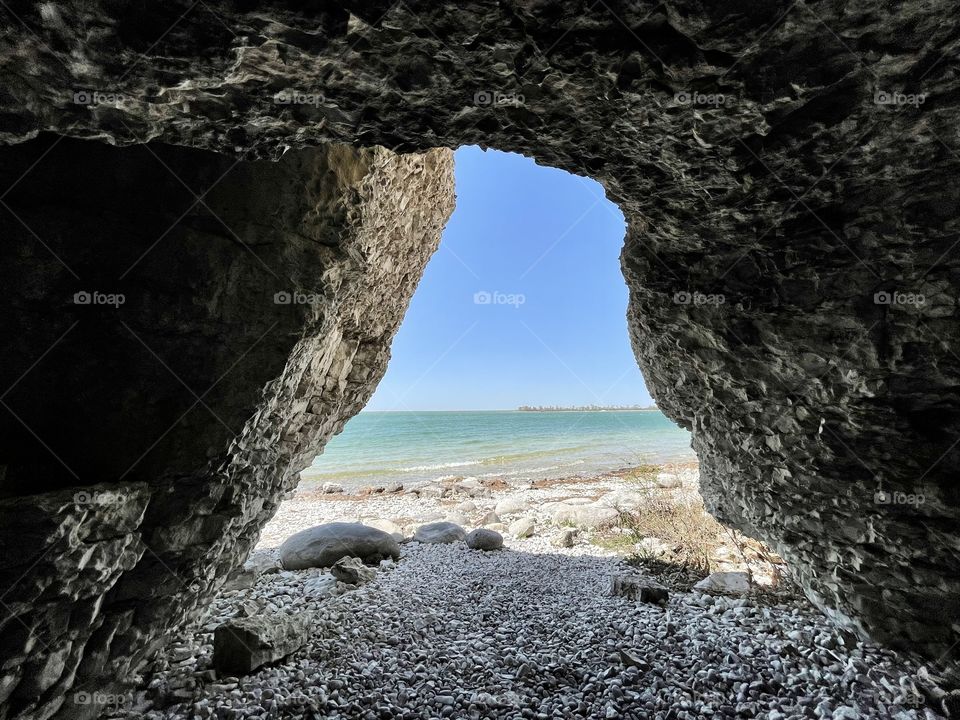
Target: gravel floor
(528, 632)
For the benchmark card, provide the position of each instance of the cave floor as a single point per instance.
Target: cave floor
(530, 631)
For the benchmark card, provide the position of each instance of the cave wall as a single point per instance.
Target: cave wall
(153, 424)
(786, 171)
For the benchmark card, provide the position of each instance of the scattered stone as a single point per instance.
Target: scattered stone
(352, 571)
(734, 583)
(637, 587)
(623, 499)
(323, 545)
(430, 491)
(331, 488)
(668, 482)
(439, 533)
(484, 539)
(653, 547)
(467, 506)
(523, 528)
(491, 518)
(566, 538)
(387, 526)
(630, 659)
(242, 645)
(584, 516)
(457, 518)
(320, 587)
(509, 506)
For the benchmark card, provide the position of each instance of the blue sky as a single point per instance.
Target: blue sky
(523, 304)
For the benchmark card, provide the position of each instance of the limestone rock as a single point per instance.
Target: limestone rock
(484, 539)
(591, 516)
(323, 545)
(565, 539)
(523, 528)
(330, 488)
(653, 547)
(240, 646)
(734, 583)
(457, 518)
(387, 526)
(511, 506)
(637, 587)
(352, 571)
(439, 532)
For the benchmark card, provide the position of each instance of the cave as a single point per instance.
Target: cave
(214, 216)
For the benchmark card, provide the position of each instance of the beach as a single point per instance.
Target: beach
(531, 630)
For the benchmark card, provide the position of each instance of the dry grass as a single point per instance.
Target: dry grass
(697, 544)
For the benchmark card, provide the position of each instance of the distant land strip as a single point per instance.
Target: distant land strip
(587, 408)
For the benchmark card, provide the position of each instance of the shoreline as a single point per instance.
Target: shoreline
(314, 483)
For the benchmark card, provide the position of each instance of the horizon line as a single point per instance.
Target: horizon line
(512, 409)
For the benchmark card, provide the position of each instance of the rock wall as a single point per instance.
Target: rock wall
(172, 366)
(786, 172)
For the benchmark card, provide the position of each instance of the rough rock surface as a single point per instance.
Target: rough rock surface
(252, 328)
(352, 571)
(726, 582)
(323, 545)
(242, 645)
(785, 170)
(637, 587)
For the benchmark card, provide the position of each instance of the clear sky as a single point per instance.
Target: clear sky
(523, 304)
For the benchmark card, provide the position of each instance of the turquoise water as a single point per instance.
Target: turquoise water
(377, 448)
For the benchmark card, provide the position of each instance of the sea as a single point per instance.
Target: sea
(414, 448)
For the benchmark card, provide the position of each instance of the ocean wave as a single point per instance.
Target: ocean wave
(439, 466)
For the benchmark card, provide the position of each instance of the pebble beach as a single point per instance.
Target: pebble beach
(529, 631)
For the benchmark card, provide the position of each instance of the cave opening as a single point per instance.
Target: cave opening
(522, 306)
